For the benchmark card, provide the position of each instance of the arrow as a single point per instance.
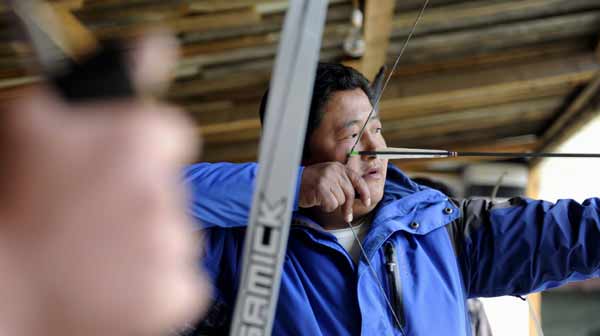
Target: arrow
(417, 153)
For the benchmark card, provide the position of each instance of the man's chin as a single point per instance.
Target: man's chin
(359, 209)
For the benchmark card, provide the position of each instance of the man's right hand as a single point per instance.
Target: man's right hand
(332, 185)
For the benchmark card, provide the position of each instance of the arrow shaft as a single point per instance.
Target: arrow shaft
(446, 154)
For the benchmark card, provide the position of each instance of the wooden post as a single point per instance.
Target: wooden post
(535, 300)
(379, 15)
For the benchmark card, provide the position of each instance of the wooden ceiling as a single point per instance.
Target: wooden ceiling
(479, 74)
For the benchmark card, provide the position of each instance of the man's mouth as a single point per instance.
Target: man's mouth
(373, 173)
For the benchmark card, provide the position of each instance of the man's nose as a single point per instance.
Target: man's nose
(367, 143)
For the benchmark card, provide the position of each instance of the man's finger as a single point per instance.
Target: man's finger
(349, 193)
(360, 185)
(328, 201)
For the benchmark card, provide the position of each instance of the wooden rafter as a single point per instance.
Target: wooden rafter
(573, 117)
(377, 31)
(79, 38)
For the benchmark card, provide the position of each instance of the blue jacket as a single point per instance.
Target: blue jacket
(446, 251)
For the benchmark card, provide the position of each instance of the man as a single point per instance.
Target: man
(429, 253)
(94, 239)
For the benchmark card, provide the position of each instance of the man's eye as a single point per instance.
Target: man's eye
(378, 130)
(354, 135)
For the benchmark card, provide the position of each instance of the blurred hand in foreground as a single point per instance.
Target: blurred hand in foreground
(94, 236)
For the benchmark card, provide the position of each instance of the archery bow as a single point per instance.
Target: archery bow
(279, 158)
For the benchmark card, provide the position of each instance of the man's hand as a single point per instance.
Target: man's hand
(331, 185)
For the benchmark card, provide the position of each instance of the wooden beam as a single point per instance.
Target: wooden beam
(504, 115)
(486, 13)
(481, 40)
(211, 6)
(510, 84)
(235, 131)
(195, 23)
(377, 30)
(219, 46)
(423, 52)
(202, 87)
(80, 39)
(18, 82)
(127, 14)
(482, 60)
(69, 4)
(241, 152)
(535, 299)
(564, 126)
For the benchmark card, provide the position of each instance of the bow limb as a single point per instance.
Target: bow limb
(279, 158)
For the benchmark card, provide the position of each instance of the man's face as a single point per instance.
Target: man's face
(344, 115)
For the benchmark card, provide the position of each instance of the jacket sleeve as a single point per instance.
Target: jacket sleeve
(221, 193)
(525, 245)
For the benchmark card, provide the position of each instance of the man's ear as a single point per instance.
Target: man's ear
(377, 83)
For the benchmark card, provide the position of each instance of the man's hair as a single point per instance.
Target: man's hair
(330, 78)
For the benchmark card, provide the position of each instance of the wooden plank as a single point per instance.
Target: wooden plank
(235, 62)
(468, 137)
(235, 131)
(481, 40)
(133, 14)
(120, 4)
(547, 50)
(511, 84)
(195, 23)
(377, 30)
(69, 4)
(18, 82)
(420, 84)
(208, 86)
(408, 5)
(80, 39)
(220, 46)
(211, 6)
(212, 70)
(535, 299)
(428, 49)
(484, 76)
(240, 152)
(486, 13)
(473, 119)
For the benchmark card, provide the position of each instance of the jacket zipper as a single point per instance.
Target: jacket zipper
(394, 283)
